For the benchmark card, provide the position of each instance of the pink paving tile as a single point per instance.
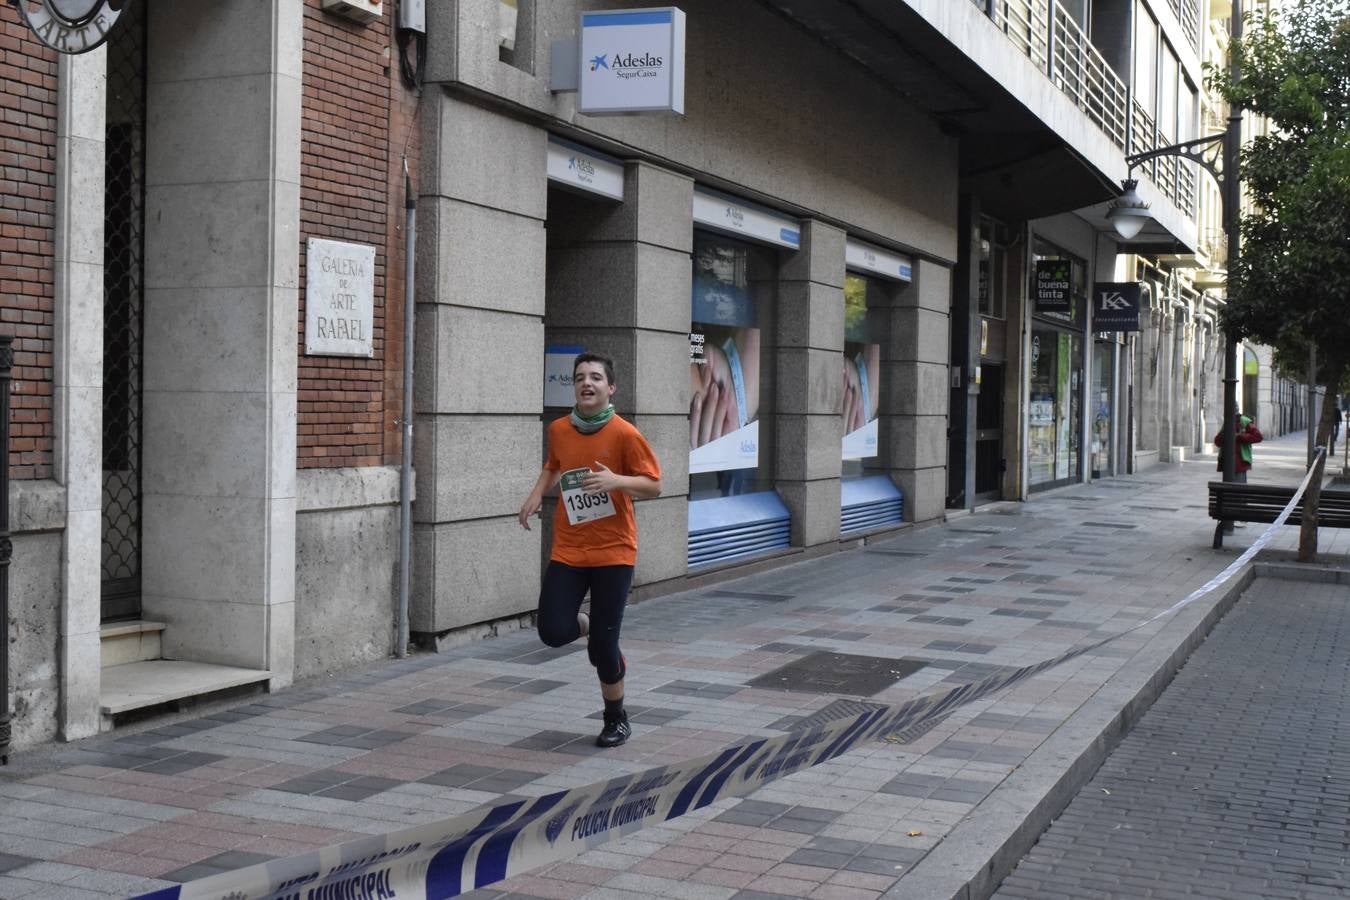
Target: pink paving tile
(579, 874)
(664, 868)
(275, 846)
(702, 841)
(762, 850)
(806, 873)
(65, 782)
(535, 886)
(792, 887)
(696, 856)
(90, 771)
(752, 864)
(786, 838)
(126, 863)
(723, 877)
(861, 880)
(726, 829)
(183, 852)
(841, 892)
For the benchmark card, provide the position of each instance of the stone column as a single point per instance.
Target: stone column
(78, 379)
(478, 382)
(619, 284)
(809, 424)
(221, 277)
(914, 371)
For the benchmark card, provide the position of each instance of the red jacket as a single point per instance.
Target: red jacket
(1247, 434)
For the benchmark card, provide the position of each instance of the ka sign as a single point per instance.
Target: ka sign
(1115, 305)
(632, 61)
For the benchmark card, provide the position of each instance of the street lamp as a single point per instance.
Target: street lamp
(1128, 213)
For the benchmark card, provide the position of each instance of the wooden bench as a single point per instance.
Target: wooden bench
(1229, 502)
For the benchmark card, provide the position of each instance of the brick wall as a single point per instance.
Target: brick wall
(356, 119)
(27, 234)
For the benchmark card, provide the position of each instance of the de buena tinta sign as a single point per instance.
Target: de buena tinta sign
(632, 61)
(1054, 283)
(71, 26)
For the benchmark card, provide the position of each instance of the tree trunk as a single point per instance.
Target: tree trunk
(1307, 533)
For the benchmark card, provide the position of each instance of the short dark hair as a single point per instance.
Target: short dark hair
(600, 358)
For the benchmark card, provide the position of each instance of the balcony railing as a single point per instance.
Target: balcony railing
(1081, 72)
(1047, 35)
(1188, 14)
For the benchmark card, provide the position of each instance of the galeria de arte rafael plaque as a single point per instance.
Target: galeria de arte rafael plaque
(339, 299)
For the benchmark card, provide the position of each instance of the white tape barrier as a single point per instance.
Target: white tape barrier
(446, 858)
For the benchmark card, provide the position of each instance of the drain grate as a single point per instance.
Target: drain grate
(826, 672)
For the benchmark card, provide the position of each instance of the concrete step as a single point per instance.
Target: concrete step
(128, 642)
(150, 683)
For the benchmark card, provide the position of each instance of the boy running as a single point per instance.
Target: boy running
(602, 462)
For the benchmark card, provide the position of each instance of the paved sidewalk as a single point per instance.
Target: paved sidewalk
(1236, 783)
(422, 739)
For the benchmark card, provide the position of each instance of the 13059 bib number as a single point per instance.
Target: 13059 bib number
(580, 505)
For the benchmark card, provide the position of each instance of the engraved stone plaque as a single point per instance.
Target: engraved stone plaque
(339, 299)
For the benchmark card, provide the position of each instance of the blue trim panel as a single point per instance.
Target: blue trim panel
(867, 503)
(596, 20)
(727, 528)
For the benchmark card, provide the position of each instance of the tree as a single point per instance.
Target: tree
(1290, 287)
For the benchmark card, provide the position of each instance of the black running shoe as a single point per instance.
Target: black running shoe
(615, 732)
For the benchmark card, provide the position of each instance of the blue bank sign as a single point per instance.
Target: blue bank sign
(632, 61)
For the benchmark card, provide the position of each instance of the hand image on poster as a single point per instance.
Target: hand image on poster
(861, 374)
(862, 369)
(724, 388)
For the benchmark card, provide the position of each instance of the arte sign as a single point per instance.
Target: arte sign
(631, 61)
(339, 299)
(1115, 305)
(1054, 283)
(71, 26)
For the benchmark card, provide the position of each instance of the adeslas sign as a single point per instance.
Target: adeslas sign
(631, 61)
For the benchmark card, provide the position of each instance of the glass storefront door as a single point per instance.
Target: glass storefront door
(1056, 407)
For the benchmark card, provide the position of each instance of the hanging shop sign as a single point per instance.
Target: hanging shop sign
(559, 364)
(730, 216)
(1115, 305)
(1054, 285)
(339, 299)
(875, 261)
(573, 166)
(71, 26)
(632, 61)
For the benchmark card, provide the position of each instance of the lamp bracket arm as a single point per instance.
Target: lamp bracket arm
(1197, 151)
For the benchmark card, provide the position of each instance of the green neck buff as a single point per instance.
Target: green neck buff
(592, 424)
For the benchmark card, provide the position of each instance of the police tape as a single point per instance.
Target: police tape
(492, 843)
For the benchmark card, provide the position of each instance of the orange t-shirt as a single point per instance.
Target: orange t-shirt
(611, 541)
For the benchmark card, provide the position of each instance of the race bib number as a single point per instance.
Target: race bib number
(581, 506)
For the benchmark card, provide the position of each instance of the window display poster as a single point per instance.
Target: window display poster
(724, 382)
(861, 374)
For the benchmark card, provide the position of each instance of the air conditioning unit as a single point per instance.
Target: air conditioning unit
(356, 10)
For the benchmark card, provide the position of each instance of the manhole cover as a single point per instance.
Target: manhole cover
(825, 672)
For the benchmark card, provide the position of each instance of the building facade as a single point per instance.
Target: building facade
(818, 281)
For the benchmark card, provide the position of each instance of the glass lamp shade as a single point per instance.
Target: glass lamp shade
(1128, 212)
